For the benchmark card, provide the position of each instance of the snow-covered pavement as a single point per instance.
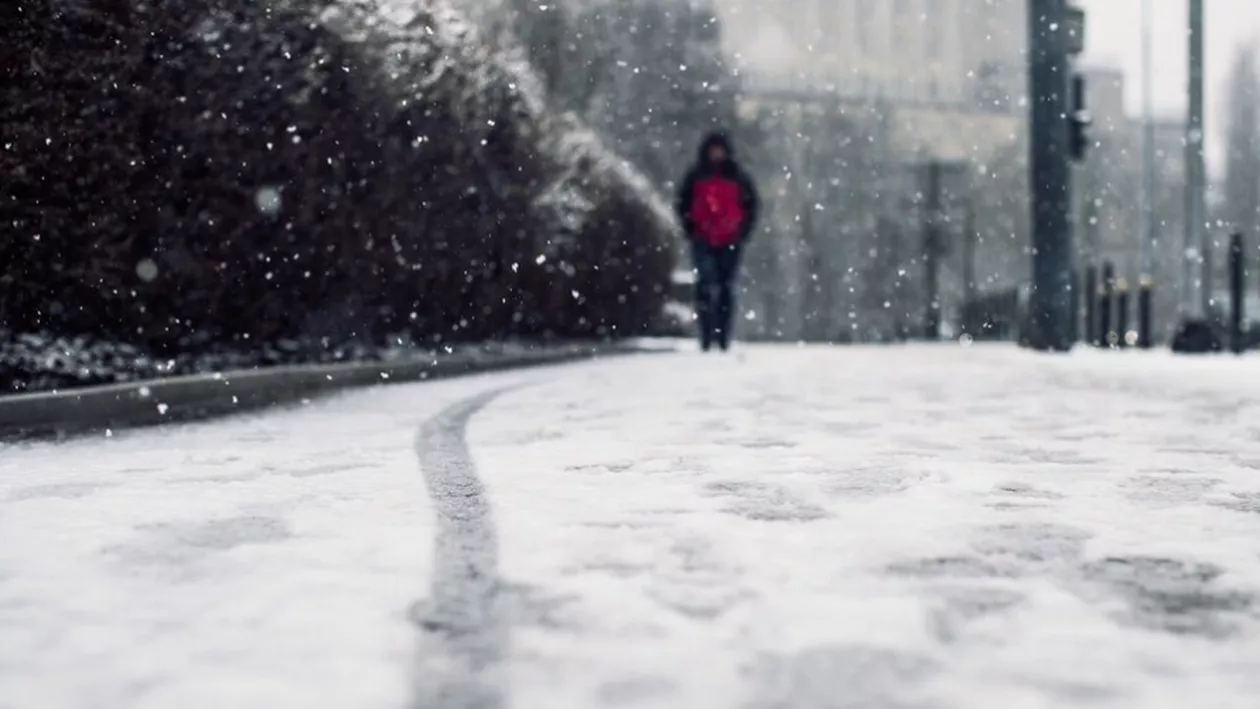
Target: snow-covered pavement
(793, 527)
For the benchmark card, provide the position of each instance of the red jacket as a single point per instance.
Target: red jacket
(718, 206)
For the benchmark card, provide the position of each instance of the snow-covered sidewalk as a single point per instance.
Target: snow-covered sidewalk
(893, 527)
(921, 526)
(261, 561)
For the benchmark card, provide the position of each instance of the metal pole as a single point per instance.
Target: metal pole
(1147, 238)
(1105, 332)
(1122, 313)
(1145, 333)
(969, 269)
(812, 307)
(931, 252)
(1050, 177)
(1237, 291)
(1196, 241)
(1091, 305)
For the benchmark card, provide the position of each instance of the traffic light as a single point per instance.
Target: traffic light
(1079, 120)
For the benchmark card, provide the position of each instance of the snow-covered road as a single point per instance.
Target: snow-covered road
(795, 527)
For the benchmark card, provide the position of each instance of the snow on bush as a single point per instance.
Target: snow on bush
(221, 173)
(44, 361)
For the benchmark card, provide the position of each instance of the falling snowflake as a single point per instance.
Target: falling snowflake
(147, 270)
(268, 201)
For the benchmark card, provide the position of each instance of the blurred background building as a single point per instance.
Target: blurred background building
(870, 92)
(1109, 189)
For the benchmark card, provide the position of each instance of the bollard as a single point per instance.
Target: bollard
(1016, 316)
(1236, 289)
(1145, 339)
(1122, 314)
(1105, 333)
(1091, 305)
(1075, 322)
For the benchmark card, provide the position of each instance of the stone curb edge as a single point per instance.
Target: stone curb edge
(176, 399)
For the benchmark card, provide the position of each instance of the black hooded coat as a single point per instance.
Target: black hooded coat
(730, 169)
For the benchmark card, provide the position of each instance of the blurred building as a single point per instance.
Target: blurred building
(859, 95)
(1109, 193)
(952, 69)
(1108, 187)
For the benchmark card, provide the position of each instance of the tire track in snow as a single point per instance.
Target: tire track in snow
(466, 634)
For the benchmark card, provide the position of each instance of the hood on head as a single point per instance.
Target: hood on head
(716, 138)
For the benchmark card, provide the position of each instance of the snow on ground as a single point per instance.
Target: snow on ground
(786, 527)
(261, 561)
(893, 527)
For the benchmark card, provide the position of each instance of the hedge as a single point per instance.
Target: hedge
(182, 174)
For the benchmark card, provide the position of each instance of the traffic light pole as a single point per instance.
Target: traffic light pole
(1196, 244)
(1050, 177)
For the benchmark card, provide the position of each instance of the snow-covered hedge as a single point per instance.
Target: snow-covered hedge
(45, 361)
(181, 174)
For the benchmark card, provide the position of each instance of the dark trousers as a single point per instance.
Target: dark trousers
(716, 268)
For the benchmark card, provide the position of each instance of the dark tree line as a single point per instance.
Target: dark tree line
(185, 174)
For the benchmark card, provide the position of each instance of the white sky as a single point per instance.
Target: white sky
(1113, 38)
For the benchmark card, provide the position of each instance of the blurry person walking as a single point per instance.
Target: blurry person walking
(718, 206)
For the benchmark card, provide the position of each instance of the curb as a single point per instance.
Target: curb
(179, 399)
